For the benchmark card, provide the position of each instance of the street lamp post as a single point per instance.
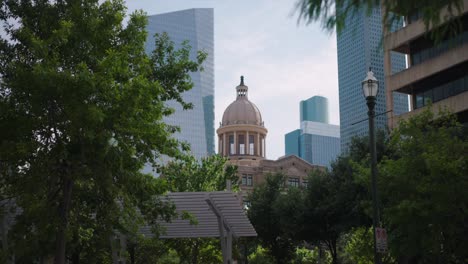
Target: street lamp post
(370, 87)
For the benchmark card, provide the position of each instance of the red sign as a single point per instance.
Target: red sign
(381, 239)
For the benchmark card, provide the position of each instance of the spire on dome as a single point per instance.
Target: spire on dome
(242, 89)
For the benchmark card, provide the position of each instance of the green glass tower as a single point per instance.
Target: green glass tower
(317, 141)
(314, 109)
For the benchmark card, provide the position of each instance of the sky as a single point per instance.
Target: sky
(283, 62)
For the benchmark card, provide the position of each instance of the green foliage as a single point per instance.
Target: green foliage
(196, 250)
(81, 108)
(358, 246)
(260, 256)
(424, 189)
(423, 178)
(209, 174)
(301, 255)
(331, 205)
(275, 223)
(306, 256)
(333, 13)
(334, 204)
(359, 148)
(170, 258)
(148, 250)
(189, 175)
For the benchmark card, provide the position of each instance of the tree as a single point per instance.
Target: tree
(335, 203)
(333, 13)
(207, 175)
(268, 212)
(306, 256)
(424, 190)
(81, 108)
(358, 246)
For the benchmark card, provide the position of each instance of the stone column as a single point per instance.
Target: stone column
(247, 151)
(235, 143)
(259, 153)
(224, 154)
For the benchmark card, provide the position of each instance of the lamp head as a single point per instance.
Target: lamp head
(370, 85)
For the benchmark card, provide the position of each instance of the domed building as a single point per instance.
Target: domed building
(242, 139)
(242, 132)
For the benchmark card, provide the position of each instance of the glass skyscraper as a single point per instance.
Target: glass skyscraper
(317, 141)
(196, 26)
(360, 48)
(314, 109)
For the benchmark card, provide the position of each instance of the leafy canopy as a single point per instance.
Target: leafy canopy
(424, 189)
(333, 13)
(81, 108)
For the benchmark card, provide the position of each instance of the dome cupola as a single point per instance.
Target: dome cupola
(242, 132)
(242, 111)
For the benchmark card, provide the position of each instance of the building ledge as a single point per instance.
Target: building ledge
(401, 81)
(455, 104)
(400, 39)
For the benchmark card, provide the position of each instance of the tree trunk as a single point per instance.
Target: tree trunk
(335, 254)
(131, 252)
(246, 253)
(63, 217)
(76, 257)
(332, 247)
(75, 254)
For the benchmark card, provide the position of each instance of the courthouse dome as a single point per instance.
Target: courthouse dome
(242, 111)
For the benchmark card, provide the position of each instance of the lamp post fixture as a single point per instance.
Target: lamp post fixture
(370, 87)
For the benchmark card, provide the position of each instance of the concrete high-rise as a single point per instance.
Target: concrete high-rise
(437, 73)
(317, 141)
(197, 27)
(360, 48)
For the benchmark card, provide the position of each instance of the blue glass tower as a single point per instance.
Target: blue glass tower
(291, 142)
(196, 26)
(360, 47)
(317, 141)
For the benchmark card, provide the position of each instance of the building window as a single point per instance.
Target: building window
(441, 92)
(232, 149)
(241, 145)
(251, 145)
(305, 183)
(438, 49)
(293, 182)
(247, 180)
